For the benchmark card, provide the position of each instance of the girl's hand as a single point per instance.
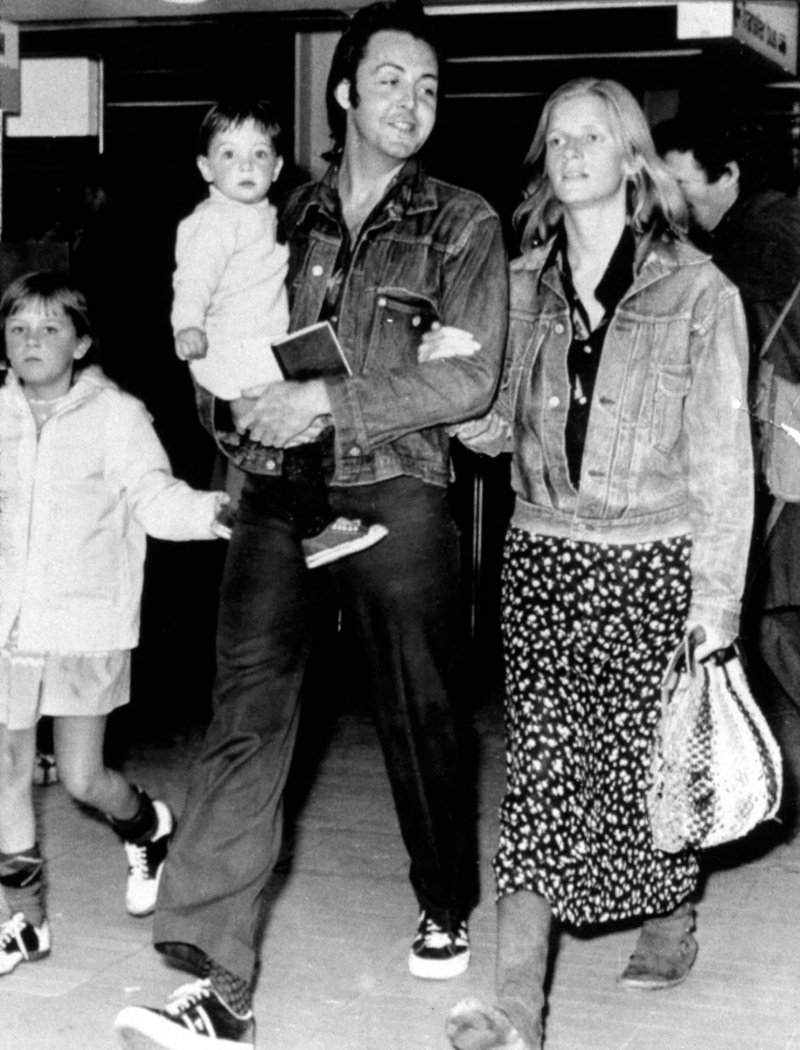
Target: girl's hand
(190, 344)
(446, 341)
(222, 525)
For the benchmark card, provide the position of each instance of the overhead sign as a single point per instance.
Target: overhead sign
(9, 68)
(770, 28)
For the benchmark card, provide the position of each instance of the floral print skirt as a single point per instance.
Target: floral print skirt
(588, 630)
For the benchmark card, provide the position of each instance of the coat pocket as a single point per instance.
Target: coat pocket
(672, 386)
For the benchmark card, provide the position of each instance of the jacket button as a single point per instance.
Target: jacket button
(317, 270)
(560, 329)
(554, 401)
(271, 464)
(354, 451)
(416, 321)
(382, 301)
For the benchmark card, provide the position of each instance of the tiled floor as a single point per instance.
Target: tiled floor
(334, 961)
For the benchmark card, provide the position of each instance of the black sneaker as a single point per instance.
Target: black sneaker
(438, 953)
(195, 1019)
(21, 941)
(145, 862)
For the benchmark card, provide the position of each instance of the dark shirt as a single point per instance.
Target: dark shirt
(757, 246)
(586, 345)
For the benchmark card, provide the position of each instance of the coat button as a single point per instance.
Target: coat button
(354, 451)
(271, 464)
(554, 401)
(317, 270)
(382, 301)
(560, 329)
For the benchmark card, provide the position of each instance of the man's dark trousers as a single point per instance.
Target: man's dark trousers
(399, 599)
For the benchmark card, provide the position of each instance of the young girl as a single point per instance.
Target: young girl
(83, 480)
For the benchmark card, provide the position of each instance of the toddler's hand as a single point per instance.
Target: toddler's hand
(190, 344)
(446, 341)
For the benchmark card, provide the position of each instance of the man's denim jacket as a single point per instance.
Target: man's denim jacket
(666, 452)
(430, 252)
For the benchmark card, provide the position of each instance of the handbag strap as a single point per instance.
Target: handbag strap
(776, 325)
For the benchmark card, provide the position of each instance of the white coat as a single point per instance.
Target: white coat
(76, 505)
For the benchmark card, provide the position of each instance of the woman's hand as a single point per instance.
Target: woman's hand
(446, 341)
(707, 640)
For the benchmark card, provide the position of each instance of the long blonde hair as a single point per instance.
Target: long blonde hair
(655, 201)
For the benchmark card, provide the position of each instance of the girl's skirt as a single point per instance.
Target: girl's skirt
(588, 630)
(35, 684)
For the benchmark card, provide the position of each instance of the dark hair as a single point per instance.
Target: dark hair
(50, 288)
(232, 113)
(715, 139)
(401, 16)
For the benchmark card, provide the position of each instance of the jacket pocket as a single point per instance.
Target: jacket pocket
(401, 319)
(672, 386)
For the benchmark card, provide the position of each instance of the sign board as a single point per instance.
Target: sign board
(770, 28)
(9, 68)
(60, 97)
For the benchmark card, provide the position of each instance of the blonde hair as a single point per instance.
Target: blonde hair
(655, 201)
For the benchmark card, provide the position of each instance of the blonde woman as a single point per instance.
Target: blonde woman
(632, 474)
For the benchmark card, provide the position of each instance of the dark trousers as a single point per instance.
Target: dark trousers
(399, 599)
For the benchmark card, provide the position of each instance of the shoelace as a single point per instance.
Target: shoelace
(11, 930)
(434, 936)
(345, 525)
(137, 860)
(188, 995)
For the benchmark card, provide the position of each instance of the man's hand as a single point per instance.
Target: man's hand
(190, 344)
(282, 414)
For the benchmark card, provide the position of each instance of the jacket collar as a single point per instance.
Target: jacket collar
(90, 381)
(410, 192)
(654, 258)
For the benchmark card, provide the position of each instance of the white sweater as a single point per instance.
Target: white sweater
(229, 281)
(76, 504)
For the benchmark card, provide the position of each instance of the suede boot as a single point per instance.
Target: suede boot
(515, 1021)
(664, 953)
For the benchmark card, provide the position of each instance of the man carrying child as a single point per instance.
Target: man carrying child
(383, 251)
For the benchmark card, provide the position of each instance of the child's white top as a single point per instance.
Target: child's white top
(230, 282)
(76, 504)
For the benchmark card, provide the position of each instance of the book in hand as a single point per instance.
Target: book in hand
(311, 353)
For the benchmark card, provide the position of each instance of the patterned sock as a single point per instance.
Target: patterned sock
(22, 879)
(233, 991)
(141, 827)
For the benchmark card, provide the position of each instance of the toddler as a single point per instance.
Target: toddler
(83, 481)
(230, 304)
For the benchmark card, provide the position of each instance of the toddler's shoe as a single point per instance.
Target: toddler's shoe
(342, 537)
(195, 1019)
(145, 862)
(21, 941)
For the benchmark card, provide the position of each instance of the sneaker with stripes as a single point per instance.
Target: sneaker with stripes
(194, 1019)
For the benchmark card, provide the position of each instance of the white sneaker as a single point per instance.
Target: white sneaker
(21, 941)
(145, 862)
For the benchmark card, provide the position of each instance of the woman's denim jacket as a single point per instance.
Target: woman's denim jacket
(666, 451)
(429, 252)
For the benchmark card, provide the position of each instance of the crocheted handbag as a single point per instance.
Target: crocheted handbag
(716, 768)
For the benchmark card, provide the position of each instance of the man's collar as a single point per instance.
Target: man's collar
(409, 191)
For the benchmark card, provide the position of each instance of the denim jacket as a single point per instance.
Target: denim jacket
(429, 252)
(666, 452)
